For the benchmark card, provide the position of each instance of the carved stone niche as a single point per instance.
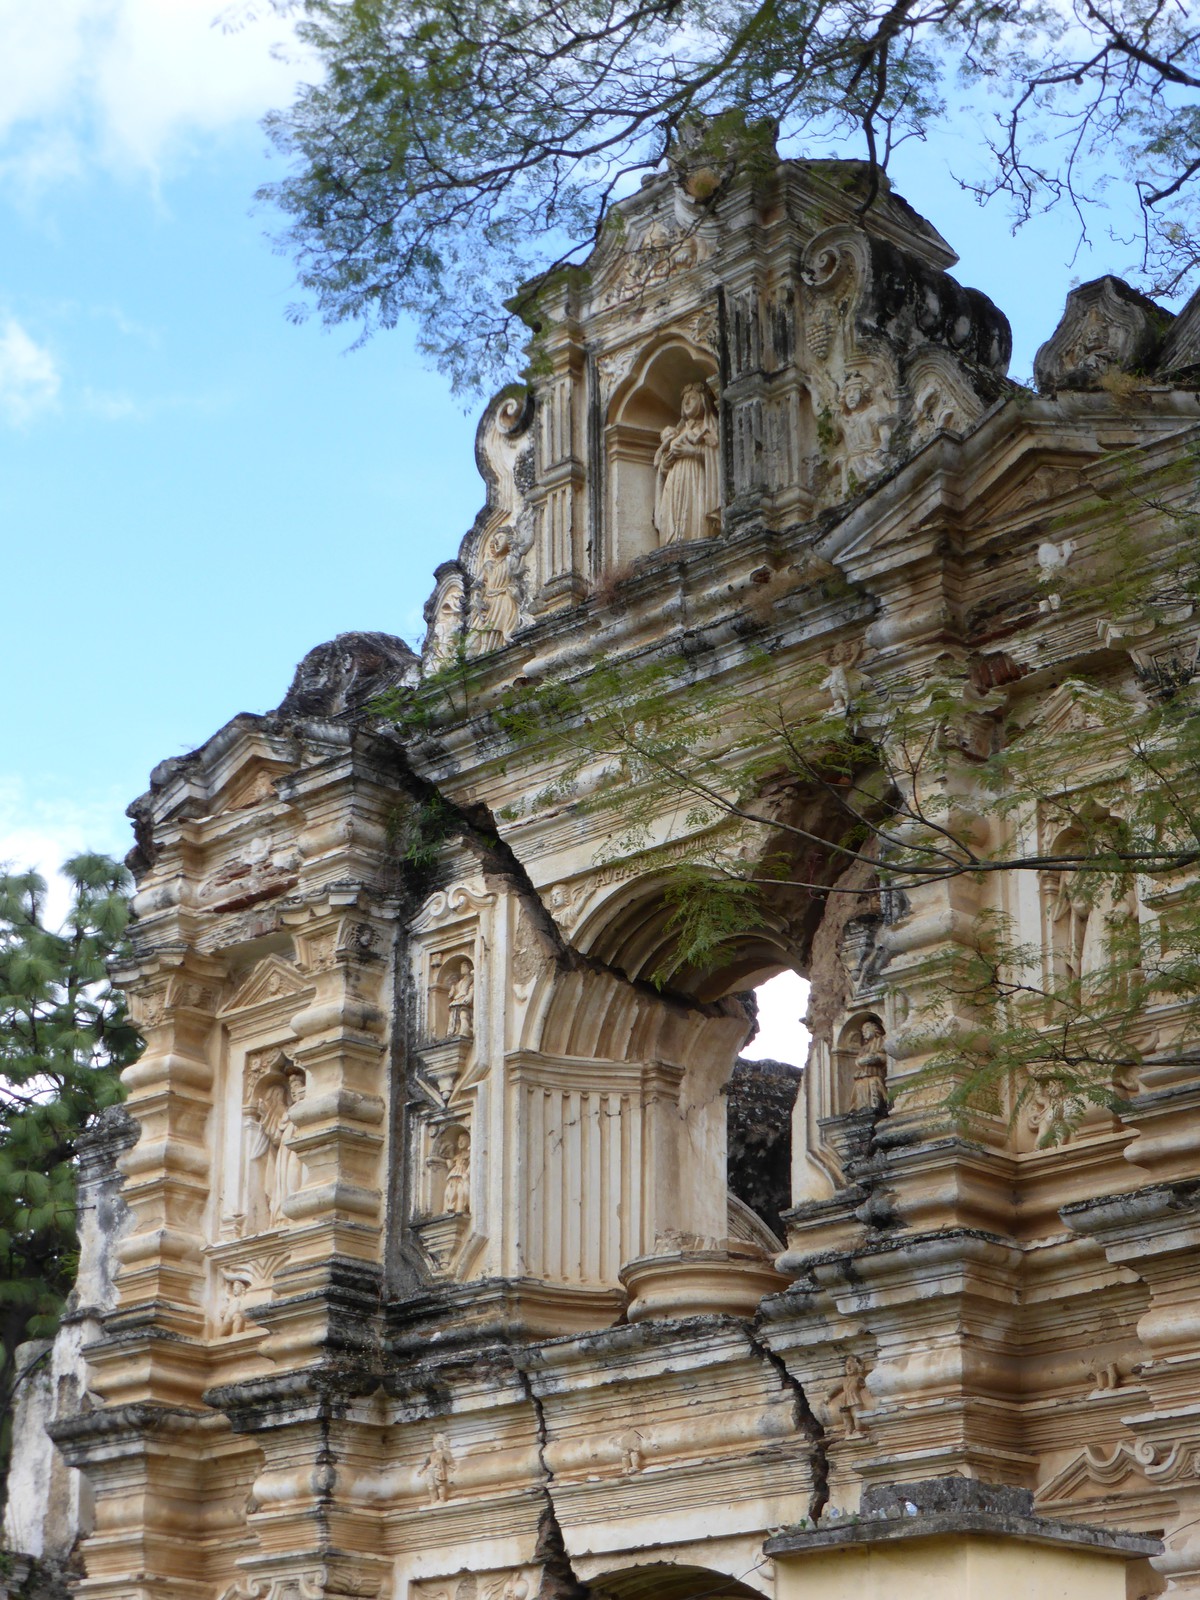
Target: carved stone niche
(442, 1203)
(449, 1024)
(661, 450)
(859, 1064)
(1107, 327)
(271, 1170)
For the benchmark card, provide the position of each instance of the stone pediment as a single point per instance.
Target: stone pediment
(645, 254)
(1032, 486)
(272, 981)
(251, 785)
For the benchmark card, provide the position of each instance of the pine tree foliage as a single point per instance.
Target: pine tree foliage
(451, 149)
(64, 1037)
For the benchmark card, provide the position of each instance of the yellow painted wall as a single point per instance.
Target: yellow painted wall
(967, 1568)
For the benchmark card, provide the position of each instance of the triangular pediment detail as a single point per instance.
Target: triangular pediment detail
(271, 981)
(253, 784)
(1031, 487)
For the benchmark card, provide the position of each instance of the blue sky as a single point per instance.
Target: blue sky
(193, 490)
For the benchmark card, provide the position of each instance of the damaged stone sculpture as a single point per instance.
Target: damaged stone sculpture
(450, 1250)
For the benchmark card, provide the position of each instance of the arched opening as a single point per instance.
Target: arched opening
(649, 400)
(666, 1580)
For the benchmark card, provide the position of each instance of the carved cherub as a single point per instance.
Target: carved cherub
(231, 1311)
(438, 1467)
(849, 1397)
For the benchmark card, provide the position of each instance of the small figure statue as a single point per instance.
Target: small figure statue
(632, 1458)
(848, 1397)
(870, 1069)
(845, 681)
(460, 1003)
(497, 606)
(457, 1195)
(438, 1467)
(231, 1311)
(1106, 1376)
(687, 493)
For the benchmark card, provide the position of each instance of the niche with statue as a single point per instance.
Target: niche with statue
(662, 446)
(442, 1209)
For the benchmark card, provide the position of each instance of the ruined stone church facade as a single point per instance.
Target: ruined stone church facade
(424, 1280)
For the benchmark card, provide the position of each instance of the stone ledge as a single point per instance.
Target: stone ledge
(944, 1507)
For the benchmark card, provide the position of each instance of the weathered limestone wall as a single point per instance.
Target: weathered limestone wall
(431, 1284)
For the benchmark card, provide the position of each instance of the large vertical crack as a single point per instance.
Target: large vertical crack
(559, 1581)
(807, 1422)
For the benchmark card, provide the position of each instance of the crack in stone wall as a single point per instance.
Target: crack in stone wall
(559, 1581)
(807, 1422)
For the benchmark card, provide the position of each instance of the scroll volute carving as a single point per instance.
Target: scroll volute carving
(446, 614)
(896, 352)
(1106, 327)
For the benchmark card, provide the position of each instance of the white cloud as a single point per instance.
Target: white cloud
(132, 84)
(29, 375)
(41, 834)
(111, 405)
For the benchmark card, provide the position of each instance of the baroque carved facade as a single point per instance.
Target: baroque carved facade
(430, 1285)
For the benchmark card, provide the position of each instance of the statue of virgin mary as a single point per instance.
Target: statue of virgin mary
(687, 494)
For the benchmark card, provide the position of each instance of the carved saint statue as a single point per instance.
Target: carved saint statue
(1082, 914)
(870, 1069)
(865, 430)
(497, 605)
(269, 1128)
(438, 1467)
(687, 493)
(460, 1003)
(456, 1197)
